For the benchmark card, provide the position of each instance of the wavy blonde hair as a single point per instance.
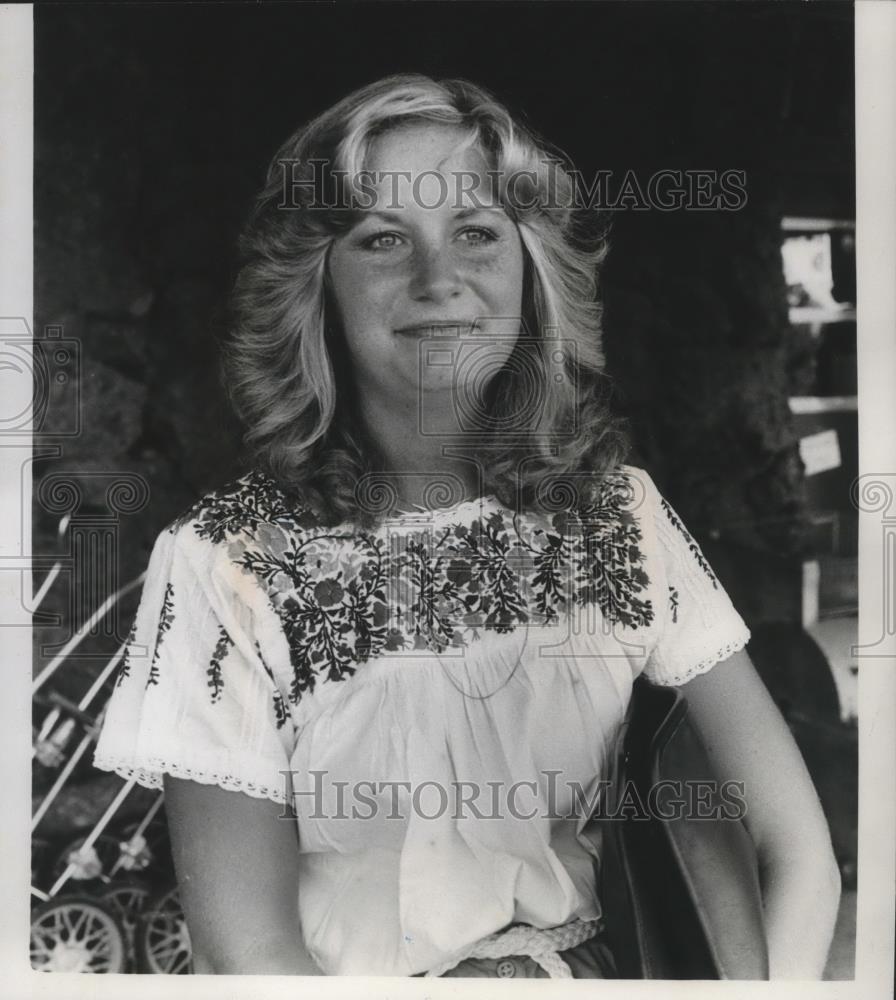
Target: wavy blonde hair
(287, 370)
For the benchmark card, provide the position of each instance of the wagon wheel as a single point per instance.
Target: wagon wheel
(91, 864)
(127, 898)
(162, 940)
(76, 934)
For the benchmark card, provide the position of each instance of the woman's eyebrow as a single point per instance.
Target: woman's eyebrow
(376, 213)
(465, 213)
(401, 217)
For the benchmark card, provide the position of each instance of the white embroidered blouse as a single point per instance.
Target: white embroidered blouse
(437, 697)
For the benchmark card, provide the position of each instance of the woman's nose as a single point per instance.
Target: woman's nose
(435, 277)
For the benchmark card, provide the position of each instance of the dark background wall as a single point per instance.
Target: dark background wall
(153, 128)
(154, 124)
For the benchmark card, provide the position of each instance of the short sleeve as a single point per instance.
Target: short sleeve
(194, 697)
(699, 625)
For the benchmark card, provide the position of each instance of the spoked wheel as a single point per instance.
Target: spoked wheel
(127, 899)
(76, 934)
(163, 942)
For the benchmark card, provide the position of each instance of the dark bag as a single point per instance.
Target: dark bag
(681, 896)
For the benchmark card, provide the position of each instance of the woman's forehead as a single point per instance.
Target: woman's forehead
(430, 165)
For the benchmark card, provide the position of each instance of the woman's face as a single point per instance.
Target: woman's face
(435, 257)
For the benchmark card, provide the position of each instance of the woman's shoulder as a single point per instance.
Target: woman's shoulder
(244, 507)
(625, 491)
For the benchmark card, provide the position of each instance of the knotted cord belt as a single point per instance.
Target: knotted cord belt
(540, 944)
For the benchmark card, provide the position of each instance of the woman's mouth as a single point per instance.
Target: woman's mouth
(437, 328)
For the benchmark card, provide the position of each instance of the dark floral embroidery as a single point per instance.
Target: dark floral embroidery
(613, 574)
(124, 668)
(345, 595)
(166, 620)
(692, 545)
(495, 598)
(330, 623)
(243, 506)
(215, 677)
(549, 561)
(280, 713)
(673, 603)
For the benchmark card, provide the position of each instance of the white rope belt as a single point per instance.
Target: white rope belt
(540, 944)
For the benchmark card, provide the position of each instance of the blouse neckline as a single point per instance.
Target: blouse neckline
(480, 501)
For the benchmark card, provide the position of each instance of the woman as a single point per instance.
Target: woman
(418, 621)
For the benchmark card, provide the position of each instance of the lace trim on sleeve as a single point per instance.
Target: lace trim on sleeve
(150, 776)
(704, 663)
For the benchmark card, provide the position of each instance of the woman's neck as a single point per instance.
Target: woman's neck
(414, 461)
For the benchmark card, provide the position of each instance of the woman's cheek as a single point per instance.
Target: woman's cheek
(502, 261)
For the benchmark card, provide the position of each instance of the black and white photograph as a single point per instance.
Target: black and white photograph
(436, 512)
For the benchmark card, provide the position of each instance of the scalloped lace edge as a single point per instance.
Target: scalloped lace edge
(150, 776)
(707, 662)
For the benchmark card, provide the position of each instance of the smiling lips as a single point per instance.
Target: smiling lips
(437, 328)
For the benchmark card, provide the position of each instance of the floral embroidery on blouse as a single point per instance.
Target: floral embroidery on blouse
(692, 545)
(673, 602)
(166, 620)
(215, 677)
(124, 668)
(614, 575)
(252, 501)
(280, 713)
(344, 595)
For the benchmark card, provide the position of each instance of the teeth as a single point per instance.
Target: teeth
(441, 330)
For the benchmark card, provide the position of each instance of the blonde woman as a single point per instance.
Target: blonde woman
(372, 674)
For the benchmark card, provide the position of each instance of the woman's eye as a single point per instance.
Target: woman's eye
(478, 235)
(474, 235)
(382, 241)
